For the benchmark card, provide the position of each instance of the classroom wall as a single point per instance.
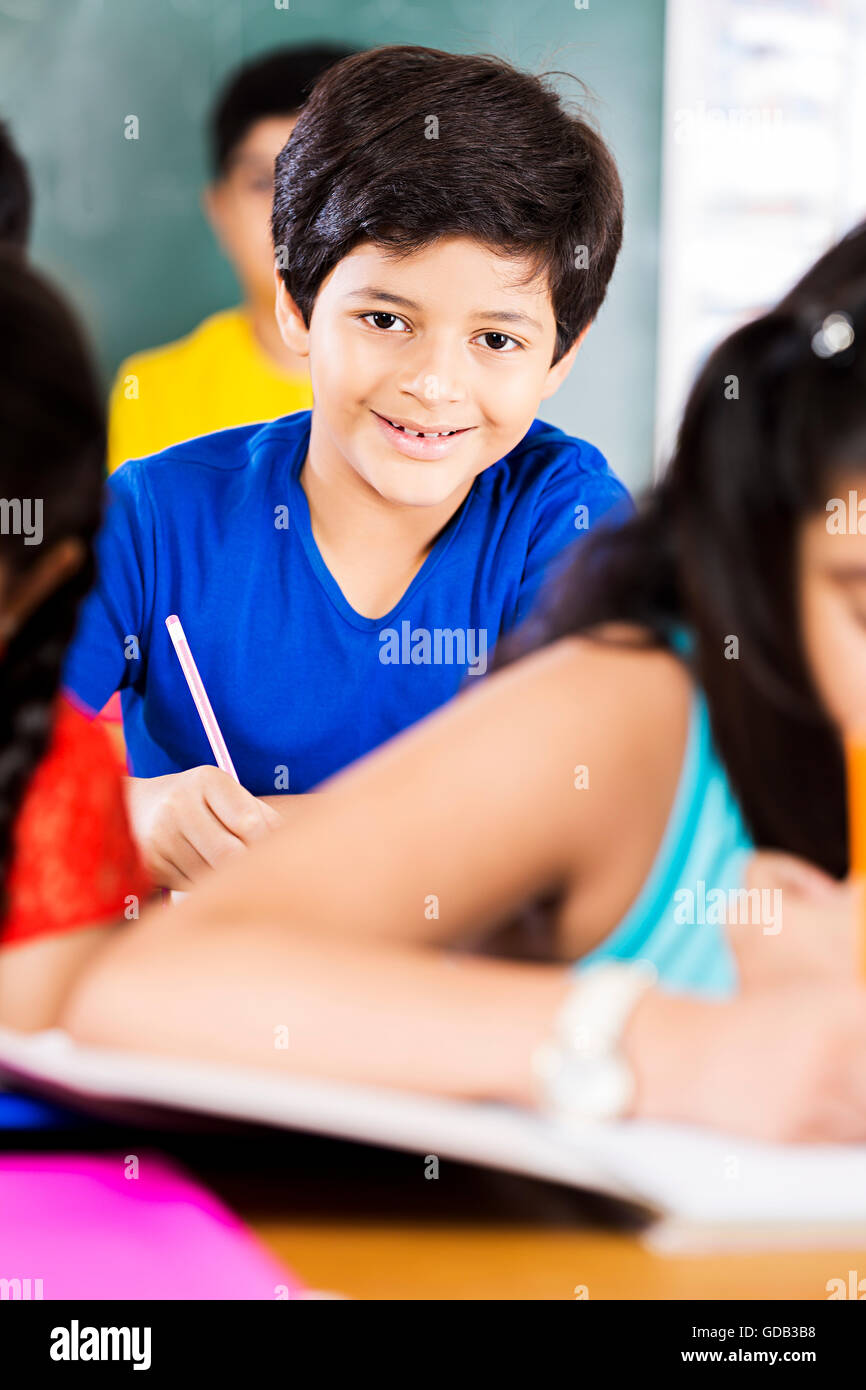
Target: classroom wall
(118, 221)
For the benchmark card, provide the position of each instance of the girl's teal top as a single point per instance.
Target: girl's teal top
(704, 848)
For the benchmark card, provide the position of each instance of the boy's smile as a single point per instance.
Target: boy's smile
(420, 440)
(427, 367)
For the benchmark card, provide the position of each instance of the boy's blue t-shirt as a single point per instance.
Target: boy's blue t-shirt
(217, 530)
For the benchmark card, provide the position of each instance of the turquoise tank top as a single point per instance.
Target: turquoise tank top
(677, 920)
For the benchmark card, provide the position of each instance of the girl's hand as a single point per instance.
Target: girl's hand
(778, 1065)
(809, 930)
(187, 822)
(786, 1058)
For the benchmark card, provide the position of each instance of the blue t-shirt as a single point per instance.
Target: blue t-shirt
(217, 530)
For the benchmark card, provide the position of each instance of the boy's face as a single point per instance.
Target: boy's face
(446, 338)
(239, 206)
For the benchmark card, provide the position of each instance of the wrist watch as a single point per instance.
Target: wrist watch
(581, 1074)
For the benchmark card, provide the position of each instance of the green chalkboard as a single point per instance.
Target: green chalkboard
(118, 221)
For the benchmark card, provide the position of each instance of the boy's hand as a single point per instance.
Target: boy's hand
(187, 822)
(808, 931)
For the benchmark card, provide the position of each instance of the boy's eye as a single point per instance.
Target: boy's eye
(388, 324)
(498, 342)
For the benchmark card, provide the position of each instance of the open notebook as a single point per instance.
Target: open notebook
(700, 1189)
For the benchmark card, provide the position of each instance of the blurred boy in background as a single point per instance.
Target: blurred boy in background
(234, 368)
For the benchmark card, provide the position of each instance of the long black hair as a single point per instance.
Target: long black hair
(713, 548)
(52, 450)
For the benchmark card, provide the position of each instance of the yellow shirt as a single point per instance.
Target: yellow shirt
(216, 377)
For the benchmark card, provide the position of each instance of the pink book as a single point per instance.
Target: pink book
(76, 1226)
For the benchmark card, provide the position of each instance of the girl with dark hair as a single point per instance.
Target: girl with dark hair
(66, 859)
(775, 419)
(682, 700)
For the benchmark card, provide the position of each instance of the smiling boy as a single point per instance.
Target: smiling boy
(438, 272)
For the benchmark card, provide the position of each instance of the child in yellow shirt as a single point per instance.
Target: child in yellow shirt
(234, 368)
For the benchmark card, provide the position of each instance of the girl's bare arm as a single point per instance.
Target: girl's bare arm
(374, 1012)
(36, 976)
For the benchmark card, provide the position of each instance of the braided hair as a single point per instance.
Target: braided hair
(52, 449)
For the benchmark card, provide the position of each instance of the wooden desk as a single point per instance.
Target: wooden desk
(369, 1260)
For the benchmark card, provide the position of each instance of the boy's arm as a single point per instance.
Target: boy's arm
(186, 822)
(105, 654)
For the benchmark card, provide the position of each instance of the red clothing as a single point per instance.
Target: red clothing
(74, 862)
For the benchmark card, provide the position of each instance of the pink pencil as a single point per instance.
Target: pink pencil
(199, 695)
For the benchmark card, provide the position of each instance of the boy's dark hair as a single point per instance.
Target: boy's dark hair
(507, 165)
(15, 196)
(274, 85)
